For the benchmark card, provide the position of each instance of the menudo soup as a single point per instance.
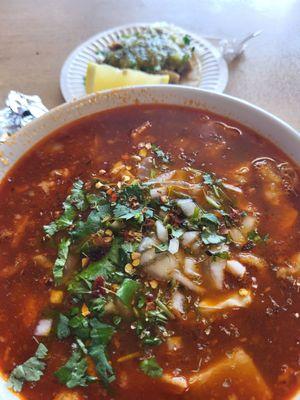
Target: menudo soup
(151, 252)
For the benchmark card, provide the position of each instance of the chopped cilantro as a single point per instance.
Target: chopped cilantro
(223, 254)
(133, 190)
(211, 201)
(152, 341)
(208, 219)
(30, 371)
(64, 221)
(93, 222)
(104, 229)
(141, 301)
(126, 249)
(103, 267)
(255, 237)
(74, 372)
(101, 333)
(160, 154)
(164, 309)
(127, 291)
(103, 367)
(117, 320)
(207, 179)
(196, 213)
(79, 326)
(153, 173)
(62, 329)
(59, 265)
(186, 39)
(212, 238)
(96, 201)
(150, 328)
(82, 346)
(157, 317)
(151, 368)
(161, 246)
(98, 335)
(97, 305)
(77, 196)
(176, 232)
(121, 211)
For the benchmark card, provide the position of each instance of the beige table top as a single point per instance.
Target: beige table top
(37, 35)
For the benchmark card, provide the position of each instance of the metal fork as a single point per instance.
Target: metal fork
(233, 48)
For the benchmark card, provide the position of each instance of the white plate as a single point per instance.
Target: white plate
(214, 67)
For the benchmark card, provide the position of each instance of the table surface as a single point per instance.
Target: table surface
(37, 35)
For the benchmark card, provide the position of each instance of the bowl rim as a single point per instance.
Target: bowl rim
(254, 117)
(93, 97)
(57, 112)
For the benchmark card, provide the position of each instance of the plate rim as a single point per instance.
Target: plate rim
(63, 79)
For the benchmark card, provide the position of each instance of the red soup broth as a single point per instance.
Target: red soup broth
(223, 355)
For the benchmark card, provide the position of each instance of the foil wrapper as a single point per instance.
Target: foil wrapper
(19, 111)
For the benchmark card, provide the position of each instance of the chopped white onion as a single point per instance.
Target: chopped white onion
(161, 231)
(156, 193)
(248, 224)
(235, 268)
(189, 237)
(187, 282)
(174, 343)
(233, 188)
(163, 267)
(148, 256)
(217, 273)
(178, 300)
(176, 385)
(237, 236)
(146, 244)
(43, 328)
(187, 206)
(189, 267)
(145, 167)
(173, 246)
(219, 248)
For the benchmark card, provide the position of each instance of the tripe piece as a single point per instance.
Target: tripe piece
(234, 300)
(234, 374)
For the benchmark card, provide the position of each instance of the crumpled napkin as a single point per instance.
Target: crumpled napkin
(20, 110)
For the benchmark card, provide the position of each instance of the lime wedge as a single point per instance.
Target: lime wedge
(103, 76)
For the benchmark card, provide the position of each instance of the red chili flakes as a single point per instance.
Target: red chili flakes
(150, 297)
(223, 230)
(114, 197)
(150, 306)
(174, 218)
(48, 281)
(148, 224)
(235, 214)
(98, 287)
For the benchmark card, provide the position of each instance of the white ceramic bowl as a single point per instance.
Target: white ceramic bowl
(254, 117)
